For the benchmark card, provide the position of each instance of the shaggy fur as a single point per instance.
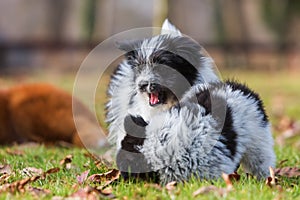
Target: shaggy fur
(169, 115)
(148, 62)
(43, 113)
(204, 137)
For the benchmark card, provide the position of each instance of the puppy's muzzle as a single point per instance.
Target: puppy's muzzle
(154, 91)
(146, 86)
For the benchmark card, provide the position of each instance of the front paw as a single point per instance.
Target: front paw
(134, 165)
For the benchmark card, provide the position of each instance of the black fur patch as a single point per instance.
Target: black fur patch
(139, 121)
(176, 62)
(129, 157)
(229, 133)
(250, 94)
(217, 107)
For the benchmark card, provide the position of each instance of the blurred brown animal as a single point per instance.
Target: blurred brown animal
(43, 113)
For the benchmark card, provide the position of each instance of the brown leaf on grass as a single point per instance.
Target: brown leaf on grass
(82, 177)
(105, 179)
(171, 185)
(92, 193)
(4, 178)
(280, 164)
(171, 188)
(66, 162)
(5, 169)
(5, 173)
(20, 184)
(227, 180)
(107, 193)
(288, 171)
(219, 191)
(88, 192)
(99, 161)
(14, 152)
(38, 192)
(211, 188)
(31, 171)
(271, 180)
(205, 190)
(52, 170)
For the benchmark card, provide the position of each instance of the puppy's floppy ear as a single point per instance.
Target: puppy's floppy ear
(168, 28)
(128, 45)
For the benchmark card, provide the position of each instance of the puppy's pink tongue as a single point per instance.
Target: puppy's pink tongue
(154, 98)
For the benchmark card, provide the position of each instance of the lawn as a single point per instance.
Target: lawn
(279, 90)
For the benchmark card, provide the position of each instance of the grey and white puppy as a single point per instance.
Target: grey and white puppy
(168, 113)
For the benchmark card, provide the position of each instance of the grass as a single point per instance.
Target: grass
(274, 87)
(63, 183)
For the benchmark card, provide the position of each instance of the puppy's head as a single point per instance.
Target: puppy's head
(164, 66)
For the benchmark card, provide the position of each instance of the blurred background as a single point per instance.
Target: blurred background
(260, 34)
(256, 41)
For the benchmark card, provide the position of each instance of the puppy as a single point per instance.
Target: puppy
(171, 118)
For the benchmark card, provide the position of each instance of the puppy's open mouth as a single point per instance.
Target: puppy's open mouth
(155, 98)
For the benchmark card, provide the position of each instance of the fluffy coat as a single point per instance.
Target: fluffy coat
(171, 117)
(215, 128)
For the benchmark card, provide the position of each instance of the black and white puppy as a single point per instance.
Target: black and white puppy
(169, 114)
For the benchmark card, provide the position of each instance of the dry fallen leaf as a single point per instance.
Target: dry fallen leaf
(271, 180)
(82, 177)
(227, 180)
(88, 192)
(92, 193)
(106, 178)
(171, 188)
(288, 171)
(31, 171)
(38, 192)
(219, 191)
(66, 162)
(5, 169)
(4, 178)
(171, 185)
(280, 164)
(205, 190)
(20, 184)
(107, 192)
(52, 170)
(104, 160)
(15, 152)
